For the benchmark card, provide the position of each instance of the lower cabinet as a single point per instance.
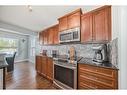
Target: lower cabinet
(50, 68)
(38, 63)
(44, 66)
(92, 77)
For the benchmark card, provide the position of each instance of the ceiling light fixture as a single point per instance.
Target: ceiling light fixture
(30, 8)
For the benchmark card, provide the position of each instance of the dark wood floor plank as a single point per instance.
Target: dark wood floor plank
(24, 77)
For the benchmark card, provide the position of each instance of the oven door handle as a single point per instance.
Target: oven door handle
(69, 67)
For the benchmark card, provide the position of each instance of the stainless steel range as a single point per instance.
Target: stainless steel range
(65, 73)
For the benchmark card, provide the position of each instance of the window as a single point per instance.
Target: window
(8, 45)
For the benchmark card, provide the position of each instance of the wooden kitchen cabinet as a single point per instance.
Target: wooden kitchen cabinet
(74, 19)
(70, 20)
(40, 38)
(96, 25)
(86, 27)
(53, 35)
(63, 24)
(93, 77)
(38, 64)
(45, 37)
(50, 68)
(44, 66)
(102, 24)
(56, 34)
(50, 36)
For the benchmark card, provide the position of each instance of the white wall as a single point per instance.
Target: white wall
(119, 29)
(123, 48)
(33, 40)
(115, 21)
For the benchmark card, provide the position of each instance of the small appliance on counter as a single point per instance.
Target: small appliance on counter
(55, 53)
(44, 52)
(100, 54)
(72, 55)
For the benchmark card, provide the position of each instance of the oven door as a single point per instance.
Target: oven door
(65, 77)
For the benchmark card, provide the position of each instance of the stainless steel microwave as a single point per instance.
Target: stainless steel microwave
(70, 35)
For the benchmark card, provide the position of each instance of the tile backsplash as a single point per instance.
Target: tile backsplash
(85, 50)
(113, 51)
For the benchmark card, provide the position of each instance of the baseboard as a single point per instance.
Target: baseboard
(22, 60)
(30, 61)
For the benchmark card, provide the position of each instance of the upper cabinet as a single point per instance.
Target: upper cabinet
(49, 36)
(45, 37)
(74, 19)
(56, 34)
(53, 35)
(63, 24)
(70, 20)
(102, 24)
(40, 38)
(86, 27)
(96, 25)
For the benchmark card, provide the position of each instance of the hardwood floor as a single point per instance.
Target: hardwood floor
(24, 77)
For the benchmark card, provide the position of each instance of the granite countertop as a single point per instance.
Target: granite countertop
(3, 64)
(90, 62)
(43, 55)
(58, 56)
(82, 60)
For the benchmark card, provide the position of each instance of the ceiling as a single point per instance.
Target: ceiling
(39, 18)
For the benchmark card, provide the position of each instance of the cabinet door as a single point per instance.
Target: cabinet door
(45, 37)
(56, 35)
(62, 24)
(102, 24)
(44, 66)
(86, 27)
(50, 35)
(38, 64)
(40, 38)
(74, 20)
(50, 69)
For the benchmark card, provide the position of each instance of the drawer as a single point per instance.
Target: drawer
(98, 70)
(87, 84)
(84, 86)
(98, 79)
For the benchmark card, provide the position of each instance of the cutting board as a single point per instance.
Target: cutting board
(72, 54)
